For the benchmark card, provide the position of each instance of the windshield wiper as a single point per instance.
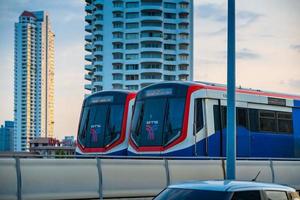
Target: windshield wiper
(168, 124)
(107, 125)
(139, 125)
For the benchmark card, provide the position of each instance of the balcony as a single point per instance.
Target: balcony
(97, 84)
(89, 67)
(158, 39)
(97, 12)
(88, 77)
(98, 62)
(88, 38)
(88, 47)
(89, 8)
(88, 57)
(98, 42)
(88, 28)
(88, 86)
(98, 32)
(98, 73)
(89, 18)
(151, 6)
(152, 49)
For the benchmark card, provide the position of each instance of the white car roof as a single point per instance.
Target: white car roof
(230, 186)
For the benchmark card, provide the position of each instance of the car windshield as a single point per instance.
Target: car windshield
(189, 194)
(100, 124)
(157, 121)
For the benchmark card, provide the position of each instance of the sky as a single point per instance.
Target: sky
(267, 49)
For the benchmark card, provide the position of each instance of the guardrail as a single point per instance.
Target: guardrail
(112, 177)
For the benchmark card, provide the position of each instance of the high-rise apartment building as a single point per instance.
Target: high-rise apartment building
(133, 43)
(34, 79)
(7, 136)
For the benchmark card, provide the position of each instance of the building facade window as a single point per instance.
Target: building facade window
(151, 76)
(132, 56)
(118, 14)
(132, 36)
(151, 65)
(169, 36)
(132, 15)
(169, 77)
(170, 67)
(170, 15)
(117, 66)
(117, 55)
(117, 35)
(132, 4)
(118, 4)
(117, 76)
(132, 87)
(170, 57)
(151, 34)
(132, 25)
(151, 55)
(151, 23)
(118, 24)
(170, 26)
(170, 46)
(132, 77)
(118, 45)
(151, 44)
(132, 67)
(170, 5)
(132, 46)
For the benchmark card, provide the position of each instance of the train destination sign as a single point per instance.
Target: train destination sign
(102, 99)
(159, 92)
(276, 101)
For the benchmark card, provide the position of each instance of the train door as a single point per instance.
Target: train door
(216, 112)
(214, 138)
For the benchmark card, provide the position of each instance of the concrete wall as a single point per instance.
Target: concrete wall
(115, 178)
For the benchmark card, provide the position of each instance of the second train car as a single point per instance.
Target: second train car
(105, 123)
(189, 119)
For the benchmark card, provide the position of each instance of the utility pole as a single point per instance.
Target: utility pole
(231, 113)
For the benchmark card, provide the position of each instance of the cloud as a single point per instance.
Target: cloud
(295, 47)
(218, 13)
(247, 54)
(245, 18)
(211, 11)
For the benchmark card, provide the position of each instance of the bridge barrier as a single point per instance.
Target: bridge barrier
(248, 170)
(32, 178)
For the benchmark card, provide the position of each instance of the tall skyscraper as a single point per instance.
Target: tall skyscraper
(133, 43)
(34, 79)
(7, 136)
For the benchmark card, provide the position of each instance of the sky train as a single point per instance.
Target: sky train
(105, 123)
(189, 119)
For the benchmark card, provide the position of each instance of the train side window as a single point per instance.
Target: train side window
(241, 117)
(267, 121)
(198, 114)
(284, 121)
(216, 117)
(253, 118)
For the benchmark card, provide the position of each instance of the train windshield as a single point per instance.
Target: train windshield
(100, 124)
(157, 121)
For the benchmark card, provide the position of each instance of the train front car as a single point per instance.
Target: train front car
(160, 120)
(104, 123)
(189, 119)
